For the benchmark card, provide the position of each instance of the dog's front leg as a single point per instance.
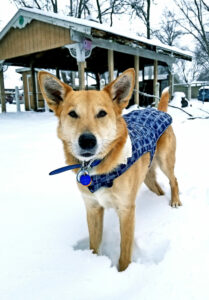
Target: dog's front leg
(127, 223)
(95, 226)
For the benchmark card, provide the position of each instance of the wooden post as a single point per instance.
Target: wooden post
(136, 92)
(2, 92)
(171, 83)
(143, 75)
(189, 92)
(157, 94)
(171, 79)
(155, 91)
(33, 81)
(111, 65)
(58, 73)
(155, 76)
(73, 79)
(17, 97)
(81, 74)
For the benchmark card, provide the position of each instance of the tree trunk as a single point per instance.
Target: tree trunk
(148, 18)
(71, 8)
(99, 11)
(54, 5)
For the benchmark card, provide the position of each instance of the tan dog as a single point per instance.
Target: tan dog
(91, 127)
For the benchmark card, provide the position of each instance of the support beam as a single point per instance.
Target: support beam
(73, 79)
(143, 75)
(2, 92)
(111, 65)
(136, 92)
(189, 92)
(155, 86)
(171, 82)
(33, 83)
(141, 52)
(58, 73)
(81, 74)
(17, 98)
(155, 76)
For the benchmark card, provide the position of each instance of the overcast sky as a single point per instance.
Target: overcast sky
(8, 10)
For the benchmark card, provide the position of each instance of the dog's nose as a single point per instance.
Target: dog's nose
(87, 141)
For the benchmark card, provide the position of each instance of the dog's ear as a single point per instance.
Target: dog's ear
(121, 88)
(53, 90)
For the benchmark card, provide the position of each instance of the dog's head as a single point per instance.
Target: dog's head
(89, 121)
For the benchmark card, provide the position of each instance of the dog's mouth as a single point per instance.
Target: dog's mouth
(87, 154)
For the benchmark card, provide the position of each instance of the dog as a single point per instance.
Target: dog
(97, 143)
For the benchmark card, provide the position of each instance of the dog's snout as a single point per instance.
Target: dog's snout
(87, 141)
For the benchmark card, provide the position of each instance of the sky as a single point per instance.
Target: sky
(8, 10)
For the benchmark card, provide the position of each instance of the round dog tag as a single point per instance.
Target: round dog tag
(85, 179)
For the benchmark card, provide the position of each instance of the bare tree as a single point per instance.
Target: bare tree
(169, 28)
(141, 8)
(195, 23)
(80, 8)
(49, 5)
(83, 8)
(187, 72)
(99, 11)
(107, 9)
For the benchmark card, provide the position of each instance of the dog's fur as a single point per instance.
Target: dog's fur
(113, 147)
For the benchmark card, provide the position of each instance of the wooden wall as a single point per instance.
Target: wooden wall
(28, 94)
(35, 37)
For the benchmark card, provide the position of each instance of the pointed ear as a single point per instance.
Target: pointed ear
(53, 90)
(122, 87)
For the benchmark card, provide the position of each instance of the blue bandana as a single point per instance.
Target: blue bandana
(145, 128)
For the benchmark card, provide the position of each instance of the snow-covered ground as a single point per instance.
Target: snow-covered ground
(44, 251)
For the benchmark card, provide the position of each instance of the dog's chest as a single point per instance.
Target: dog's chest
(105, 198)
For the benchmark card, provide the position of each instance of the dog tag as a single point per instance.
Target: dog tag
(84, 178)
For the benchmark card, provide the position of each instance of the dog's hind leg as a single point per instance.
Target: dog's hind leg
(166, 160)
(151, 181)
(168, 170)
(95, 225)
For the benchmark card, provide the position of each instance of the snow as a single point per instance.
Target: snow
(44, 238)
(204, 87)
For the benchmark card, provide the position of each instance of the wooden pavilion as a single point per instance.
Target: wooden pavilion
(37, 39)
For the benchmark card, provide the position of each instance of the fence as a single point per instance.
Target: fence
(190, 90)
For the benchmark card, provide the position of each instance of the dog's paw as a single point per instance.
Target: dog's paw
(160, 192)
(175, 203)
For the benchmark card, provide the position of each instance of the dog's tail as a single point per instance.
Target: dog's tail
(163, 104)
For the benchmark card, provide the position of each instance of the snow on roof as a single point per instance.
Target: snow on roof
(204, 87)
(84, 26)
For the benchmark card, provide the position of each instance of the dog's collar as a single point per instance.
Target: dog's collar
(83, 176)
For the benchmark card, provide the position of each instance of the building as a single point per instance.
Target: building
(37, 39)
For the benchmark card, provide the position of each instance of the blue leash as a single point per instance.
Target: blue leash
(83, 176)
(64, 169)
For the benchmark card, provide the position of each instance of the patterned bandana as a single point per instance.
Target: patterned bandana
(145, 128)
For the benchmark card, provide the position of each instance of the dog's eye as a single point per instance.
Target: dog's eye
(73, 114)
(101, 114)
